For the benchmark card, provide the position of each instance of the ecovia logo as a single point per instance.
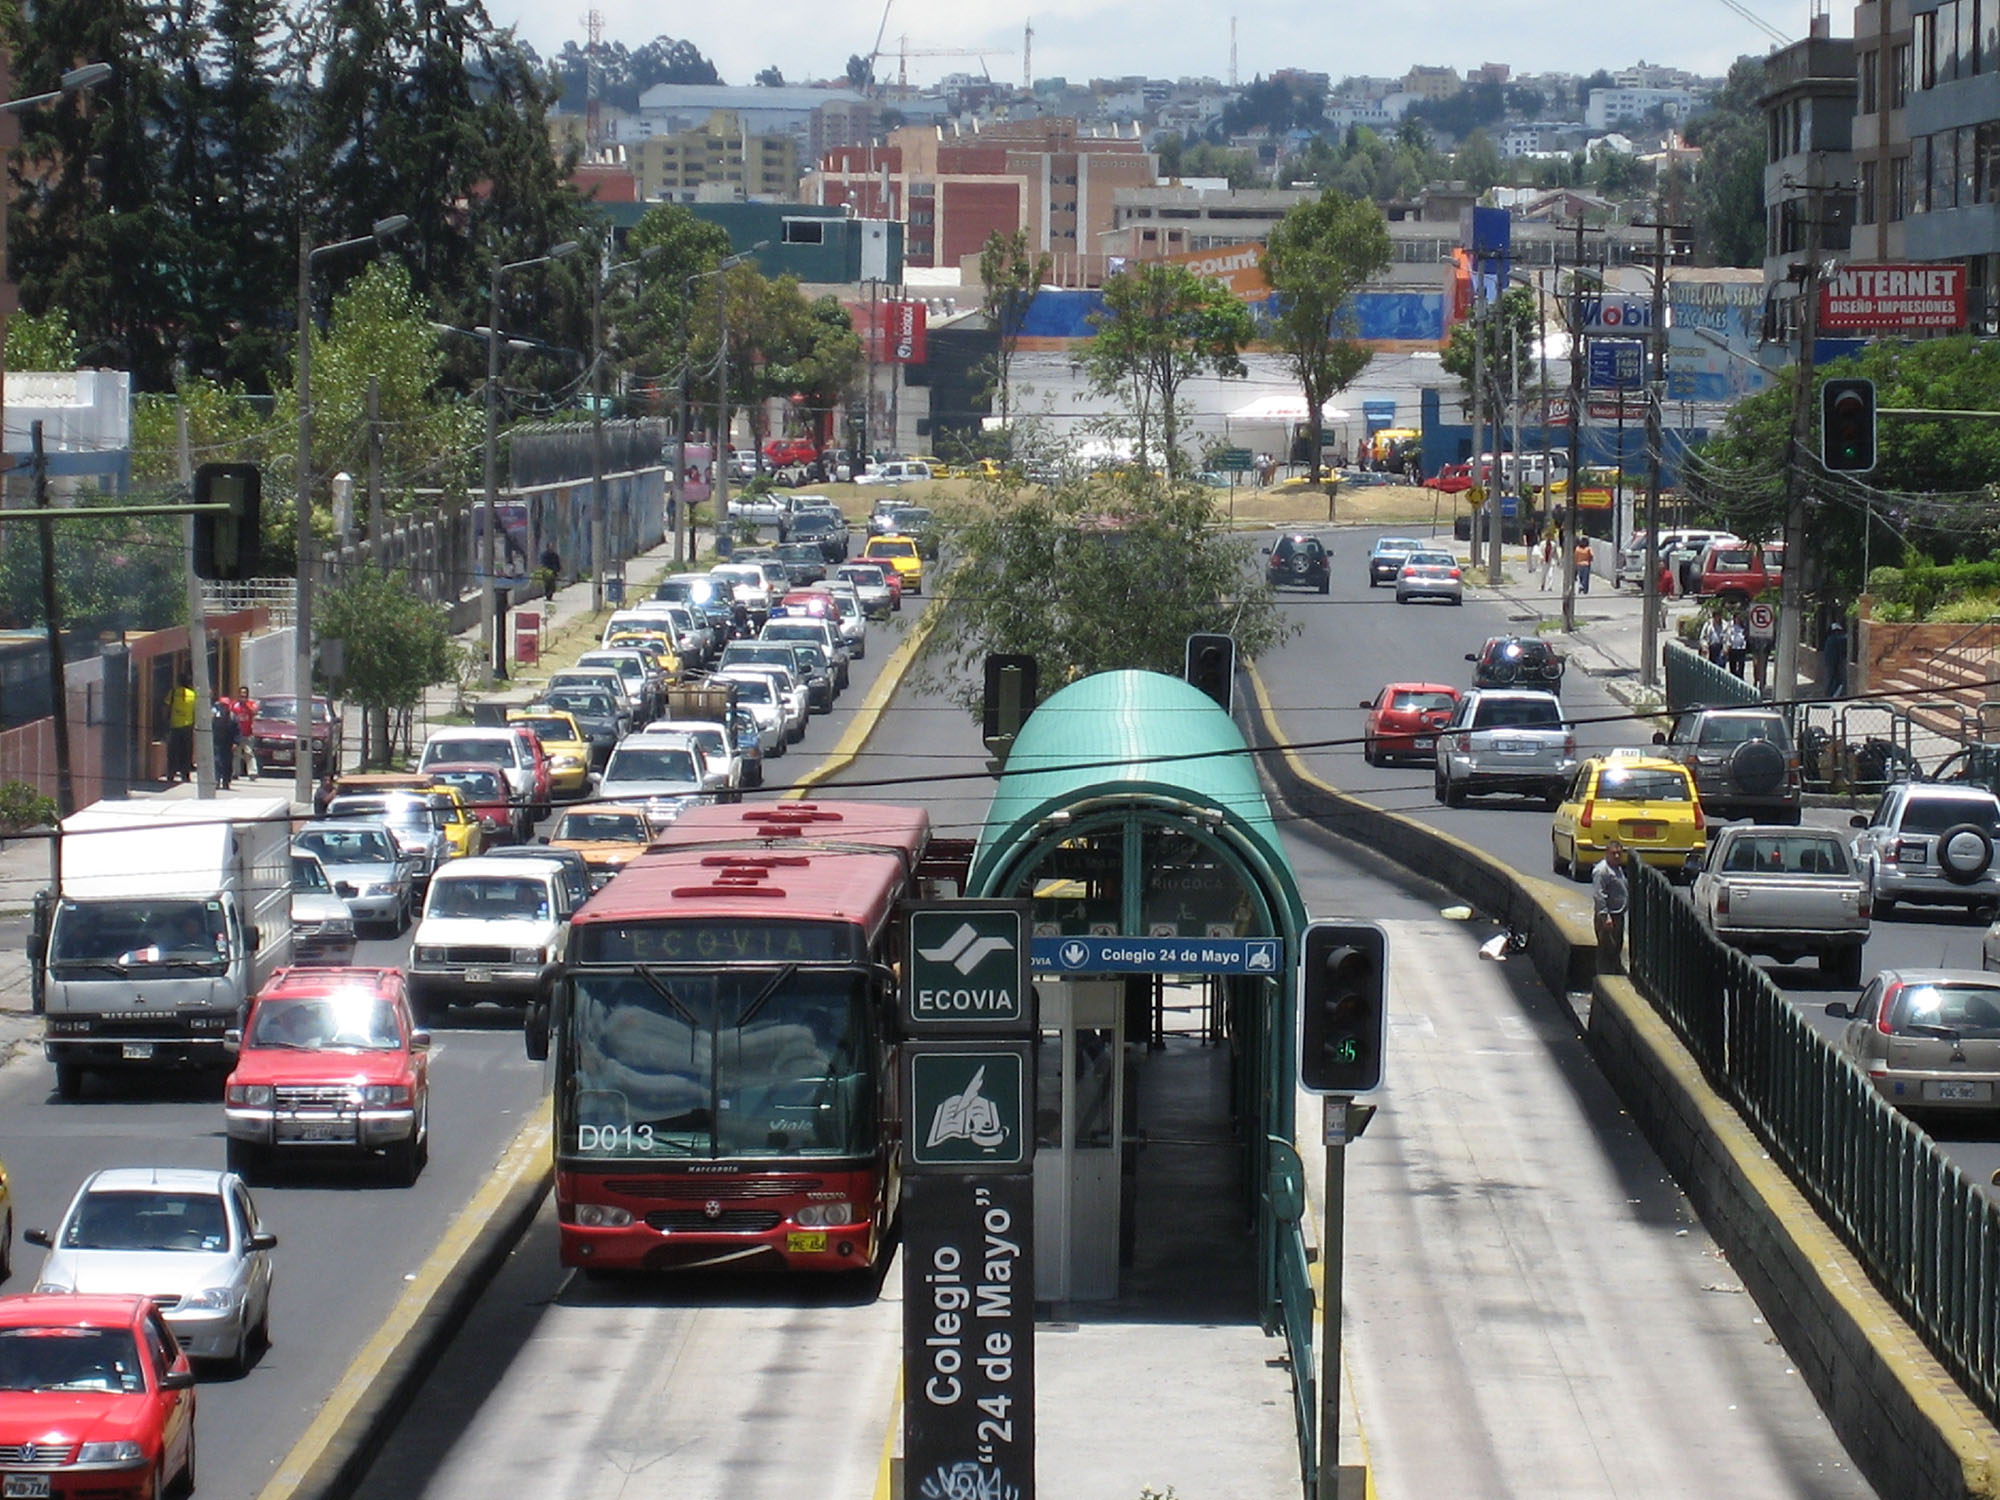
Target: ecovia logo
(967, 948)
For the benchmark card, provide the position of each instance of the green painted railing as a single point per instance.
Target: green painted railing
(1929, 1238)
(1693, 681)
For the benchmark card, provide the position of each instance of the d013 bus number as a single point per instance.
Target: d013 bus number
(624, 1138)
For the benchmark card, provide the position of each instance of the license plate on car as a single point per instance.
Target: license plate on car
(1424, 743)
(24, 1486)
(320, 1130)
(1513, 747)
(479, 976)
(1909, 853)
(1643, 830)
(808, 1242)
(131, 1052)
(1958, 1090)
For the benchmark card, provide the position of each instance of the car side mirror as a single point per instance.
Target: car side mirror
(177, 1380)
(1364, 703)
(1858, 820)
(1693, 864)
(232, 1040)
(256, 938)
(1659, 736)
(1840, 1010)
(420, 1041)
(263, 1240)
(39, 1237)
(1472, 656)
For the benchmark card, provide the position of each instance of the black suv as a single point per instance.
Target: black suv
(805, 561)
(1516, 661)
(1299, 561)
(826, 529)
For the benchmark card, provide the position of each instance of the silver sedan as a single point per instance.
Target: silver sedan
(1430, 575)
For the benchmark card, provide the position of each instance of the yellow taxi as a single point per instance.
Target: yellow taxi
(607, 835)
(900, 553)
(1645, 802)
(658, 644)
(463, 835)
(938, 467)
(567, 746)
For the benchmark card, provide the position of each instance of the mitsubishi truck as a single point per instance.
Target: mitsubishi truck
(170, 916)
(1785, 892)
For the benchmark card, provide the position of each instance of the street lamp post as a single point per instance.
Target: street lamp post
(302, 701)
(718, 464)
(489, 595)
(598, 542)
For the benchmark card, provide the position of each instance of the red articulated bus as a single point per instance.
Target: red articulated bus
(725, 1091)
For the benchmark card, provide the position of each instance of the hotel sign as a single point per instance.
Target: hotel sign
(1888, 299)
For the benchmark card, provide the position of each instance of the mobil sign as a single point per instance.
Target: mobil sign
(1893, 298)
(1616, 314)
(904, 326)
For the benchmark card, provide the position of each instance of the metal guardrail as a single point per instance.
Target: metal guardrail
(1693, 681)
(1929, 1238)
(1295, 1300)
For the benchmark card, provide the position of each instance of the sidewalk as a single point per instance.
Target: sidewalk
(569, 627)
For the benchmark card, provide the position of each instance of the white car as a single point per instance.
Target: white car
(663, 773)
(746, 585)
(764, 701)
(322, 923)
(187, 1237)
(718, 749)
(499, 748)
(870, 587)
(896, 471)
(853, 619)
(492, 929)
(791, 692)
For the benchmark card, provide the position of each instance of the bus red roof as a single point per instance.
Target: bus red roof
(860, 886)
(871, 825)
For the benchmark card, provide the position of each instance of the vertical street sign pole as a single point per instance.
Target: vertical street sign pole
(1331, 1239)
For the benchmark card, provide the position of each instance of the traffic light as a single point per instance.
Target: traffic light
(1211, 666)
(1012, 686)
(1343, 994)
(229, 547)
(1847, 426)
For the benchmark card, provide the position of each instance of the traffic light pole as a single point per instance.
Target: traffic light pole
(1331, 1259)
(1791, 590)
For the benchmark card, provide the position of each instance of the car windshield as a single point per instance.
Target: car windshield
(485, 752)
(55, 1357)
(720, 1062)
(286, 710)
(134, 934)
(1936, 814)
(1722, 730)
(148, 1219)
(548, 728)
(491, 898)
(1397, 544)
(628, 667)
(1518, 651)
(1788, 854)
(1517, 713)
(601, 827)
(356, 1021)
(892, 547)
(1628, 784)
(1423, 702)
(401, 812)
(584, 705)
(480, 786)
(754, 689)
(1965, 1010)
(308, 874)
(348, 846)
(651, 763)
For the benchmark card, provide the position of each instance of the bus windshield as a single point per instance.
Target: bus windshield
(720, 1063)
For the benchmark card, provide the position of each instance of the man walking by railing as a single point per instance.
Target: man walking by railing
(1610, 895)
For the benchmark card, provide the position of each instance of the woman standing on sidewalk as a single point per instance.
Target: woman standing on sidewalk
(1584, 558)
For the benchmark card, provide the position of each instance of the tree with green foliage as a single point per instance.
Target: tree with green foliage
(1107, 572)
(1511, 326)
(1729, 190)
(1184, 158)
(1162, 325)
(622, 74)
(46, 342)
(1476, 163)
(394, 645)
(1009, 277)
(1317, 258)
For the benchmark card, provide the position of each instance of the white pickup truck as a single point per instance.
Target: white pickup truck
(1785, 892)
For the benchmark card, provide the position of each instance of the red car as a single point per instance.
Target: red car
(782, 452)
(96, 1398)
(484, 788)
(274, 734)
(330, 1059)
(1404, 720)
(1740, 570)
(545, 775)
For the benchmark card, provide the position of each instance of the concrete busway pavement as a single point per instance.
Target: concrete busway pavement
(1356, 639)
(1851, 1347)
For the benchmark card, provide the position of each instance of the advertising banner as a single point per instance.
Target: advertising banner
(1240, 268)
(904, 328)
(1892, 298)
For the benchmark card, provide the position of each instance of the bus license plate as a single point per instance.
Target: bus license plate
(25, 1486)
(131, 1052)
(1959, 1090)
(808, 1242)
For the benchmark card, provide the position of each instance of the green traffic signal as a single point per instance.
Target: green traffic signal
(1343, 1007)
(1847, 426)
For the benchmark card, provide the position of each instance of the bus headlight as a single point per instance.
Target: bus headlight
(602, 1216)
(818, 1215)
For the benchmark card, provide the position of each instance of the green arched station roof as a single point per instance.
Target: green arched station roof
(1136, 740)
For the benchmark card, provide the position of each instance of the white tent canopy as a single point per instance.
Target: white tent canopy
(1286, 407)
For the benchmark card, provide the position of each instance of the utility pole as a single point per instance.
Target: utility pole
(1656, 394)
(721, 444)
(204, 688)
(1575, 430)
(1491, 504)
(376, 528)
(1785, 670)
(52, 620)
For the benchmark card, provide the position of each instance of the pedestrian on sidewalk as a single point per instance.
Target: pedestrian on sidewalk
(1739, 643)
(1610, 894)
(1550, 573)
(551, 569)
(1833, 661)
(180, 708)
(245, 709)
(1715, 639)
(222, 736)
(1584, 557)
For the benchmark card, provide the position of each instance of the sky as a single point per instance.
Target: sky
(1082, 39)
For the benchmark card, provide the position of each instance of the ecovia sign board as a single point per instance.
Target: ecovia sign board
(966, 973)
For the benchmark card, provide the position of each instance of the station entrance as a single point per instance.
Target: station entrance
(1164, 911)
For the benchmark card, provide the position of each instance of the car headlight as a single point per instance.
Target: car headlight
(251, 1095)
(336, 927)
(124, 1451)
(383, 1095)
(602, 1216)
(527, 955)
(210, 1299)
(381, 888)
(429, 955)
(815, 1215)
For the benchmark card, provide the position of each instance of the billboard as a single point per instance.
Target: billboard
(1893, 298)
(904, 326)
(1238, 267)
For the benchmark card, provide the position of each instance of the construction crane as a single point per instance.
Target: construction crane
(904, 52)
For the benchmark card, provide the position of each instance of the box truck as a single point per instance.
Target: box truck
(170, 916)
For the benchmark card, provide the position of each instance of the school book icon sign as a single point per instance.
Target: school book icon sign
(969, 1107)
(968, 1117)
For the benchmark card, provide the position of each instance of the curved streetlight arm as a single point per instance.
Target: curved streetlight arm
(86, 77)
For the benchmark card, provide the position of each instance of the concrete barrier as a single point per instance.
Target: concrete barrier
(1909, 1428)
